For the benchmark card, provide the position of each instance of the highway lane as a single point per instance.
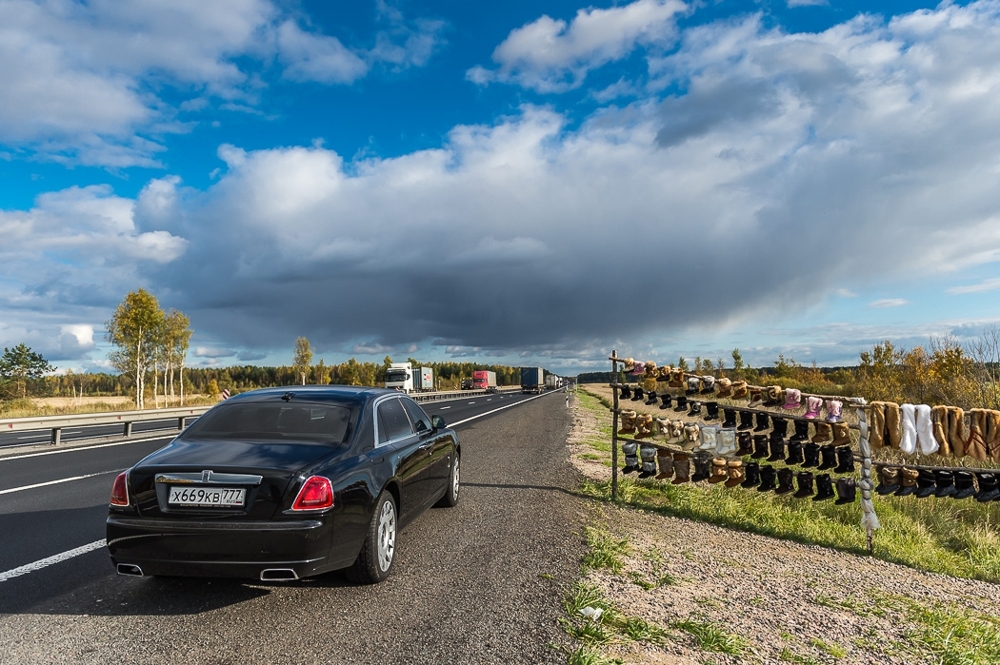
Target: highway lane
(54, 501)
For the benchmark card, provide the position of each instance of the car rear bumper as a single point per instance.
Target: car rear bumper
(216, 549)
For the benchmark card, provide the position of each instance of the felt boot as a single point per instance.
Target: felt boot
(777, 447)
(740, 390)
(643, 426)
(811, 453)
(888, 478)
(626, 392)
(651, 398)
(779, 428)
(743, 442)
(907, 482)
(785, 477)
(925, 483)
(666, 462)
(637, 394)
(847, 491)
(647, 458)
(708, 439)
(724, 387)
(707, 385)
(834, 410)
(631, 458)
(829, 456)
(736, 473)
(695, 409)
(746, 420)
(824, 433)
(691, 437)
(988, 487)
(768, 477)
(730, 417)
(676, 436)
(682, 403)
(676, 379)
(794, 453)
(773, 396)
(759, 446)
(719, 471)
(751, 471)
(964, 485)
(841, 434)
(793, 399)
(944, 481)
(763, 422)
(845, 460)
(666, 401)
(813, 405)
(712, 411)
(628, 422)
(725, 442)
(682, 468)
(693, 386)
(702, 468)
(756, 395)
(824, 487)
(801, 431)
(805, 479)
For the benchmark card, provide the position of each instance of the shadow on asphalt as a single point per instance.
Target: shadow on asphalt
(549, 488)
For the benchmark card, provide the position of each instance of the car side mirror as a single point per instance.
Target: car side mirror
(437, 422)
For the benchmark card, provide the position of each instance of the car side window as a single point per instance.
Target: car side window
(421, 423)
(393, 418)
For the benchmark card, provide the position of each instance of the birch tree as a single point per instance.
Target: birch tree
(177, 338)
(303, 358)
(135, 330)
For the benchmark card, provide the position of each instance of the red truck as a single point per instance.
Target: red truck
(484, 380)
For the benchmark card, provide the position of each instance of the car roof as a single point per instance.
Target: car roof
(357, 394)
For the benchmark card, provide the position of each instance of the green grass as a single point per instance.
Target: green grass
(604, 551)
(611, 627)
(941, 535)
(584, 656)
(834, 650)
(955, 635)
(710, 637)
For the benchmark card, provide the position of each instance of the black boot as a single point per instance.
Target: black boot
(667, 401)
(829, 455)
(767, 477)
(637, 394)
(845, 460)
(651, 398)
(702, 468)
(712, 411)
(682, 403)
(759, 446)
(752, 471)
(964, 486)
(631, 458)
(988, 490)
(925, 484)
(763, 422)
(777, 450)
(907, 482)
(801, 431)
(824, 487)
(805, 479)
(730, 417)
(695, 409)
(847, 490)
(785, 477)
(743, 441)
(746, 420)
(626, 393)
(811, 453)
(888, 478)
(779, 428)
(794, 453)
(945, 483)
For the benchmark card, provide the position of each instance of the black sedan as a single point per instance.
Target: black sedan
(283, 483)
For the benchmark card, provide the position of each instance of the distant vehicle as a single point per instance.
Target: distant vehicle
(284, 483)
(532, 380)
(423, 379)
(483, 379)
(466, 384)
(553, 382)
(400, 377)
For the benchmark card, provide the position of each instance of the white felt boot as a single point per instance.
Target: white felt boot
(908, 441)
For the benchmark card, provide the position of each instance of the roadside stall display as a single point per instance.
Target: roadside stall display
(750, 446)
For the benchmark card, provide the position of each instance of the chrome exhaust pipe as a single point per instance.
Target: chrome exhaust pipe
(278, 575)
(129, 570)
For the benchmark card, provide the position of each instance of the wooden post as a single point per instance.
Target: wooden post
(614, 427)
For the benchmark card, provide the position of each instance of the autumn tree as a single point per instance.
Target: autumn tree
(302, 359)
(176, 340)
(20, 364)
(135, 331)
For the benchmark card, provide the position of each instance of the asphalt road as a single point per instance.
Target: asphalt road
(478, 583)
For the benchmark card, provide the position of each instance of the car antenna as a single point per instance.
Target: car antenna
(288, 396)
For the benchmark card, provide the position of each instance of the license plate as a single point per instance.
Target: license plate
(215, 497)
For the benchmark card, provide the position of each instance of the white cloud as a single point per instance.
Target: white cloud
(846, 293)
(886, 303)
(991, 284)
(551, 55)
(314, 57)
(209, 352)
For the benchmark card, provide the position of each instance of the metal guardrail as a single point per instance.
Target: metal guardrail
(127, 418)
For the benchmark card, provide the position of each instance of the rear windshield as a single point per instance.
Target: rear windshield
(303, 421)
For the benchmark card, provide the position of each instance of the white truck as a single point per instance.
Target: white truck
(404, 378)
(553, 382)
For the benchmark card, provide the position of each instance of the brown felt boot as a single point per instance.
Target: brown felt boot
(893, 425)
(739, 390)
(841, 435)
(628, 422)
(666, 461)
(823, 432)
(876, 424)
(888, 479)
(719, 472)
(691, 437)
(907, 481)
(644, 426)
(736, 474)
(682, 468)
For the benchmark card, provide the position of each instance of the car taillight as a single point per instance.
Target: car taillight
(119, 491)
(316, 494)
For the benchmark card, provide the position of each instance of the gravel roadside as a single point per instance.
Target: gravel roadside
(479, 583)
(789, 602)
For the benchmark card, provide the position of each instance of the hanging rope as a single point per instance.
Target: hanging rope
(869, 520)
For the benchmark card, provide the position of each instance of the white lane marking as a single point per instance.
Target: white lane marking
(497, 409)
(76, 450)
(471, 402)
(56, 482)
(48, 561)
(445, 407)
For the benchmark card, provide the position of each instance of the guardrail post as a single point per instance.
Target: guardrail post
(180, 422)
(56, 436)
(128, 428)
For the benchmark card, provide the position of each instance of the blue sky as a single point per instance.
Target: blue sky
(530, 182)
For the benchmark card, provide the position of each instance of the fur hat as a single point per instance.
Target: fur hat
(628, 364)
(650, 369)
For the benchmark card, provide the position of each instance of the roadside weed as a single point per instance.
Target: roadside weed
(710, 637)
(604, 551)
(584, 656)
(834, 650)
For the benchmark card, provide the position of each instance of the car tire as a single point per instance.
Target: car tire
(374, 562)
(450, 498)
